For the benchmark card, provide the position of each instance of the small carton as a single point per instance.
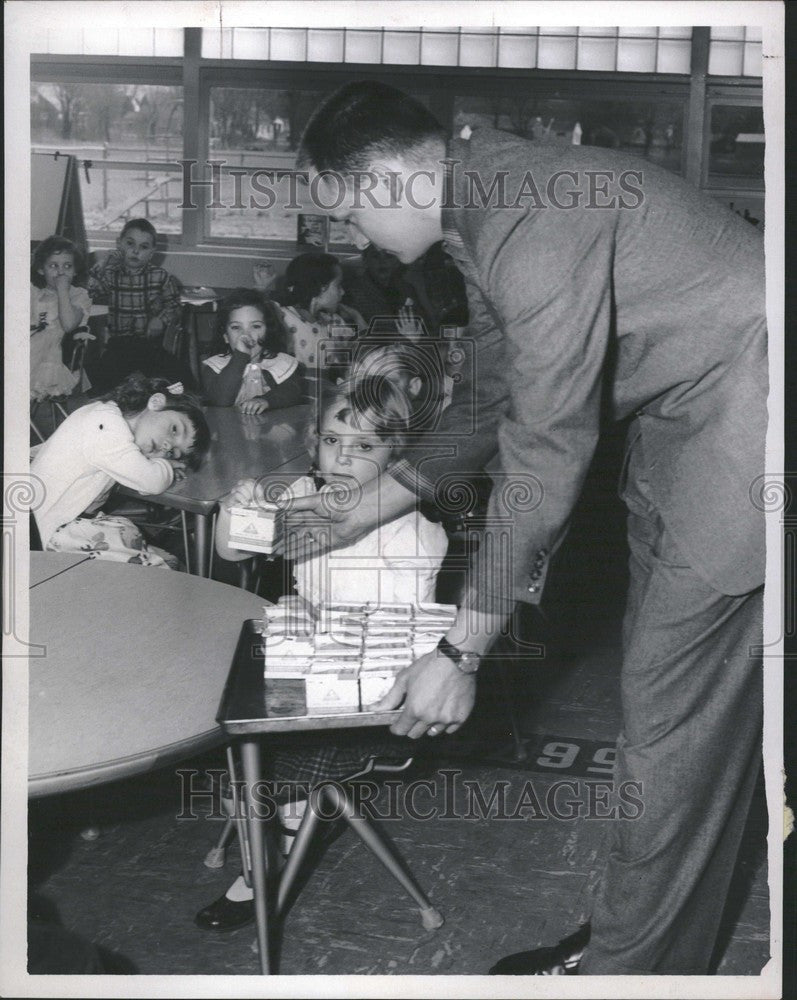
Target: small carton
(332, 692)
(375, 684)
(252, 529)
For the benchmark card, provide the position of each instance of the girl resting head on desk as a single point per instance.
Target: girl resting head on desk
(250, 368)
(361, 428)
(143, 435)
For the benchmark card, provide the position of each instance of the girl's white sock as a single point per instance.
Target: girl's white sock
(239, 891)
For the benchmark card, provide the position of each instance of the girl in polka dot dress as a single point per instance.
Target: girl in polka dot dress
(313, 311)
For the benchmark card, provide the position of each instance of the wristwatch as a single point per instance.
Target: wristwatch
(465, 662)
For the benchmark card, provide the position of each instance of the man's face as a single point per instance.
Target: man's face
(392, 214)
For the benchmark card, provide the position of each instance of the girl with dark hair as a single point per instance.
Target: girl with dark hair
(313, 310)
(142, 435)
(251, 368)
(58, 308)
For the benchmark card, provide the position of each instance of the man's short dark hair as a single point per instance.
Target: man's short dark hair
(362, 120)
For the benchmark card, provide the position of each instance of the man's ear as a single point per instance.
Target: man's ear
(389, 178)
(157, 401)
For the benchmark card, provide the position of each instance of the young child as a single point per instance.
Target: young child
(143, 305)
(360, 430)
(142, 435)
(251, 370)
(415, 367)
(57, 308)
(313, 311)
(362, 426)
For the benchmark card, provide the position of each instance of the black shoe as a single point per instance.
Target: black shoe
(226, 915)
(561, 960)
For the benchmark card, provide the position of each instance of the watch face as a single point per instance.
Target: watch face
(469, 663)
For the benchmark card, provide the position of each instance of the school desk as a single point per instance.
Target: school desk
(241, 447)
(251, 708)
(136, 660)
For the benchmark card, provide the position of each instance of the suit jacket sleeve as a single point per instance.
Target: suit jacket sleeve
(464, 439)
(548, 278)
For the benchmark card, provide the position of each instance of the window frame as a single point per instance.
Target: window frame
(441, 84)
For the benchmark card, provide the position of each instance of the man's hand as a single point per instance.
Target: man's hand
(437, 697)
(325, 521)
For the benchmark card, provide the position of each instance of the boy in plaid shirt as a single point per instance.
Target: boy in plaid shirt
(143, 305)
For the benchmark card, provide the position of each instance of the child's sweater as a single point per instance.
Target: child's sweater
(134, 298)
(90, 451)
(223, 377)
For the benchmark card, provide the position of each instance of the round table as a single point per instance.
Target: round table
(136, 662)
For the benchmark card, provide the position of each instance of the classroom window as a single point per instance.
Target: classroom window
(131, 135)
(256, 131)
(652, 129)
(734, 51)
(736, 145)
(107, 41)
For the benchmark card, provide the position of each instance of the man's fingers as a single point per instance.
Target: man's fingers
(296, 505)
(393, 698)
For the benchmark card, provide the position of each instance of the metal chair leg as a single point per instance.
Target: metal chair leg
(186, 549)
(36, 431)
(383, 849)
(217, 855)
(239, 819)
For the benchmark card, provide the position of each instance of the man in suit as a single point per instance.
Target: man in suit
(593, 279)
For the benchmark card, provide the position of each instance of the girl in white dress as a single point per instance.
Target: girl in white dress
(57, 308)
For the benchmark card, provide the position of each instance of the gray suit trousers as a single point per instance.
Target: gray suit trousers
(692, 730)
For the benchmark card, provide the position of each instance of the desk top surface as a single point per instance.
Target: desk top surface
(241, 447)
(135, 663)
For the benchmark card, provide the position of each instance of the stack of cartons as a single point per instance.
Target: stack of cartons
(349, 654)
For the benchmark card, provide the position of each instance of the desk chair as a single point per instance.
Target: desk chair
(333, 798)
(57, 408)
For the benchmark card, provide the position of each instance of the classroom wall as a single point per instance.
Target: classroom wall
(216, 268)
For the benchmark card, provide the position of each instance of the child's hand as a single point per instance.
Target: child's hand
(253, 406)
(178, 467)
(241, 495)
(351, 316)
(63, 282)
(155, 328)
(82, 334)
(251, 346)
(408, 324)
(263, 275)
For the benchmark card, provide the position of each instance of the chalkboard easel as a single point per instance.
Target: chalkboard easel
(56, 207)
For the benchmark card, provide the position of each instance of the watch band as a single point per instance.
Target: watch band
(465, 662)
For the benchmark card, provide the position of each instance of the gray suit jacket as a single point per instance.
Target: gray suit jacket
(653, 305)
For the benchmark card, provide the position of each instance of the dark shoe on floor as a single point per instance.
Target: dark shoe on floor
(561, 960)
(226, 915)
